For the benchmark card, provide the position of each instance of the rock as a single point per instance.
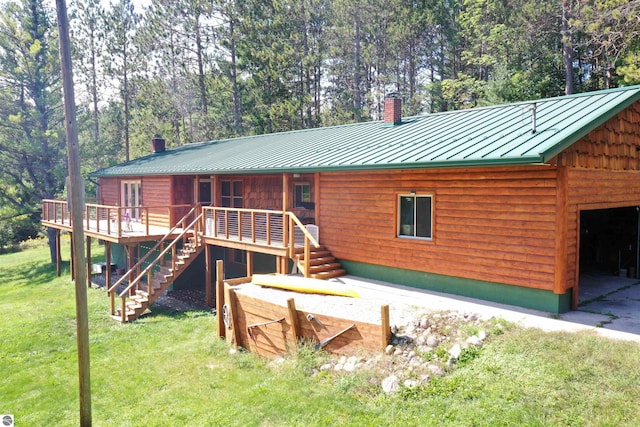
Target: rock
(389, 349)
(435, 370)
(416, 360)
(424, 378)
(474, 340)
(342, 360)
(424, 323)
(422, 349)
(390, 384)
(338, 367)
(232, 351)
(432, 341)
(482, 335)
(397, 352)
(326, 367)
(349, 367)
(421, 340)
(455, 351)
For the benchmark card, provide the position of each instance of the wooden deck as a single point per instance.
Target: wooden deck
(272, 232)
(113, 223)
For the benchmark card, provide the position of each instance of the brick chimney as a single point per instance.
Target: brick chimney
(392, 109)
(158, 144)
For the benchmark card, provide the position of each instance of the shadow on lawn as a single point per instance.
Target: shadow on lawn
(34, 273)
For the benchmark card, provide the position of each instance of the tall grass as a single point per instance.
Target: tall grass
(170, 369)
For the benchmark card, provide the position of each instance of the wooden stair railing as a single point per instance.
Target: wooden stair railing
(275, 230)
(159, 280)
(316, 262)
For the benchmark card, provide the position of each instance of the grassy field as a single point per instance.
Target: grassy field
(170, 369)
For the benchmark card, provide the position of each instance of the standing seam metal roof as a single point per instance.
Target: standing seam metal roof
(496, 135)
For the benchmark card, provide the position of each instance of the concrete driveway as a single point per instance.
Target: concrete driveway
(609, 302)
(609, 305)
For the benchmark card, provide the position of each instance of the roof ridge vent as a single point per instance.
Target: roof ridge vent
(392, 109)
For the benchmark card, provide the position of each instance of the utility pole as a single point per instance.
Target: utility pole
(76, 188)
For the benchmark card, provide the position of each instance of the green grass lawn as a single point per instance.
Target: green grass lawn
(170, 369)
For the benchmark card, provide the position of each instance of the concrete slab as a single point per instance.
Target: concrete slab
(617, 298)
(610, 307)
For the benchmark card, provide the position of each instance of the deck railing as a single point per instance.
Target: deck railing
(110, 220)
(259, 227)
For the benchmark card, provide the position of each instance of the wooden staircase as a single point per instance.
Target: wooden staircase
(160, 273)
(164, 277)
(323, 264)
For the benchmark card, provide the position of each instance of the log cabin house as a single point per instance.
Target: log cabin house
(508, 203)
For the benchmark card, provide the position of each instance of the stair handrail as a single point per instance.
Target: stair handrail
(308, 241)
(144, 258)
(301, 226)
(160, 256)
(152, 264)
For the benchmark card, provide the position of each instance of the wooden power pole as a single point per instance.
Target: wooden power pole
(76, 188)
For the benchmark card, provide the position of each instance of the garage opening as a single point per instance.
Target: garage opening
(608, 248)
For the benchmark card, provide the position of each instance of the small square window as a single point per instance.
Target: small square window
(415, 216)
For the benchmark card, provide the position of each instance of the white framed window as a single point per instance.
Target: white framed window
(301, 195)
(131, 196)
(415, 216)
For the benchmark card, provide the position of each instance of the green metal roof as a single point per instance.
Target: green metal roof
(497, 135)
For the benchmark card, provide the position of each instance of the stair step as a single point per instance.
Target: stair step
(329, 274)
(134, 305)
(139, 298)
(161, 278)
(324, 267)
(118, 315)
(322, 260)
(300, 250)
(314, 254)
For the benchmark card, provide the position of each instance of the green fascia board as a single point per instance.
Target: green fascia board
(536, 299)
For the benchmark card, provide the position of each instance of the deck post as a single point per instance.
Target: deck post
(88, 262)
(285, 192)
(385, 327)
(107, 268)
(207, 263)
(132, 261)
(58, 253)
(249, 263)
(220, 297)
(316, 198)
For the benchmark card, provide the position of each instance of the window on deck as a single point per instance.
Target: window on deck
(302, 195)
(231, 194)
(415, 216)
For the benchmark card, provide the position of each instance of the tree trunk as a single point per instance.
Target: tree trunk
(357, 95)
(567, 48)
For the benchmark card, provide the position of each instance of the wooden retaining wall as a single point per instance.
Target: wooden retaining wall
(270, 329)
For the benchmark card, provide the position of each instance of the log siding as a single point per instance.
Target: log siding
(490, 224)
